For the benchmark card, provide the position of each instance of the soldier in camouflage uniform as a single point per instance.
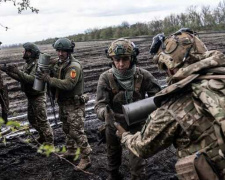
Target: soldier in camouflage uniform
(37, 115)
(68, 83)
(192, 113)
(122, 84)
(4, 98)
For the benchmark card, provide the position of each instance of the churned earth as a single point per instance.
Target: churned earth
(20, 160)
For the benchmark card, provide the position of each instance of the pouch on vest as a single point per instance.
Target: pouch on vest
(195, 167)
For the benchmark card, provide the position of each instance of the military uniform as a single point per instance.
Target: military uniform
(37, 115)
(109, 92)
(68, 82)
(191, 116)
(4, 99)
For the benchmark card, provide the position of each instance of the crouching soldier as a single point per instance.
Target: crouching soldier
(192, 112)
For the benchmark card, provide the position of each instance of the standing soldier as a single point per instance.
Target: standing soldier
(192, 112)
(37, 115)
(122, 84)
(68, 82)
(4, 98)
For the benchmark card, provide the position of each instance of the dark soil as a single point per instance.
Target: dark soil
(20, 161)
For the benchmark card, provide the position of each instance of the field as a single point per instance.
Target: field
(20, 161)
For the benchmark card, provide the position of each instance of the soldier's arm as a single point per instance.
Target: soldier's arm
(158, 133)
(69, 82)
(102, 98)
(151, 84)
(26, 78)
(13, 75)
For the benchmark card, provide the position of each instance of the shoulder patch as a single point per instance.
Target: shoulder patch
(73, 73)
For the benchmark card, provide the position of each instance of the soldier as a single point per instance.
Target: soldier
(192, 112)
(4, 98)
(37, 115)
(68, 83)
(122, 84)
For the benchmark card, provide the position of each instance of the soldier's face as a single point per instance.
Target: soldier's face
(63, 55)
(122, 62)
(26, 54)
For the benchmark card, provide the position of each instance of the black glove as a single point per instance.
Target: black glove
(42, 76)
(4, 68)
(13, 68)
(109, 116)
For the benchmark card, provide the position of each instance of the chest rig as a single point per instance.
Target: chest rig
(28, 68)
(202, 130)
(118, 93)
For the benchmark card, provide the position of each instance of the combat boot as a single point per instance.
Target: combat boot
(84, 163)
(115, 175)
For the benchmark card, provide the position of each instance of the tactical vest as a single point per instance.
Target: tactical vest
(60, 73)
(118, 94)
(202, 130)
(28, 88)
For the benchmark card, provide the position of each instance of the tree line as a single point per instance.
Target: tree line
(206, 19)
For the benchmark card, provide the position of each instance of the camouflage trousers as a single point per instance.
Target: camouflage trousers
(4, 101)
(73, 117)
(37, 116)
(114, 155)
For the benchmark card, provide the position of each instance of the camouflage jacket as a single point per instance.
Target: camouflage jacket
(191, 111)
(106, 93)
(26, 78)
(67, 79)
(4, 98)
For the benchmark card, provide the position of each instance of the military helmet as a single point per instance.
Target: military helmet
(33, 48)
(64, 44)
(122, 47)
(182, 47)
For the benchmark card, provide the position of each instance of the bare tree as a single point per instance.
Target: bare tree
(21, 5)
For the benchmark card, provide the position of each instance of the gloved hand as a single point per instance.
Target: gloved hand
(109, 116)
(4, 68)
(42, 76)
(120, 129)
(13, 68)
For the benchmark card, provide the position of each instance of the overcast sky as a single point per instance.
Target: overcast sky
(59, 18)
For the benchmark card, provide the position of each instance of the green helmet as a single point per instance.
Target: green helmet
(64, 44)
(33, 48)
(122, 47)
